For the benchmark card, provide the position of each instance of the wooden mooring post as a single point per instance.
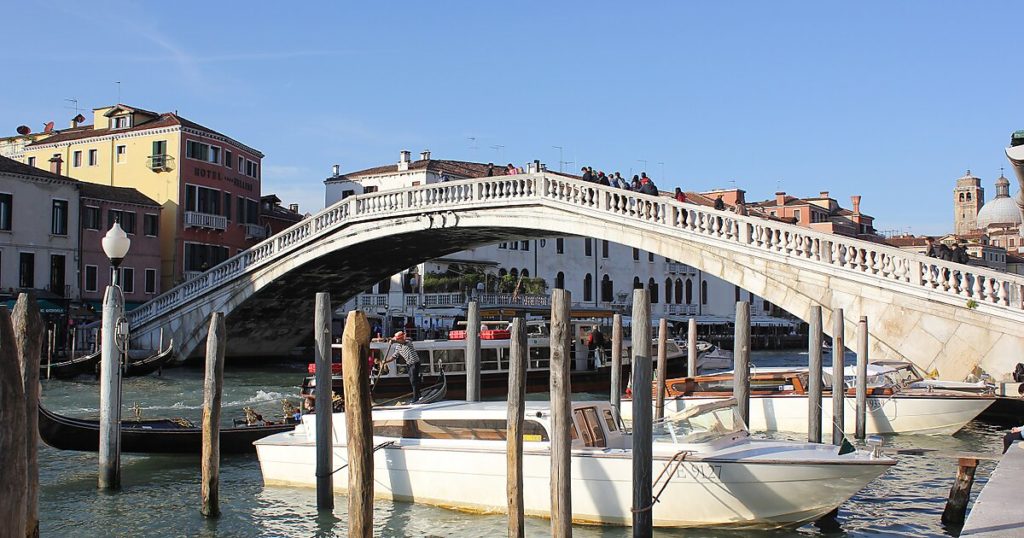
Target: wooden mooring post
(814, 374)
(355, 350)
(659, 407)
(110, 392)
(28, 332)
(741, 354)
(616, 382)
(514, 436)
(862, 378)
(691, 347)
(960, 493)
(324, 404)
(561, 414)
(473, 352)
(838, 377)
(643, 521)
(213, 389)
(13, 431)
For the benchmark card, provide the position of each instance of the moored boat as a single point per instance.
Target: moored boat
(452, 454)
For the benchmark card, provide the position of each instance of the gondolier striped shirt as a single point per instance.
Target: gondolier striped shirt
(407, 352)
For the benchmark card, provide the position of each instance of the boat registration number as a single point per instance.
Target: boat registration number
(699, 471)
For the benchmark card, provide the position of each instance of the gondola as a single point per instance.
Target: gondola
(148, 363)
(165, 436)
(140, 362)
(72, 367)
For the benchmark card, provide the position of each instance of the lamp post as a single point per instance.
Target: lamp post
(115, 246)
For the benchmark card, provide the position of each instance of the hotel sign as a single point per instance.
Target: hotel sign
(241, 183)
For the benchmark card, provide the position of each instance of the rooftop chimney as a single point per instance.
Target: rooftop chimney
(856, 204)
(780, 198)
(294, 208)
(336, 170)
(55, 164)
(403, 160)
(824, 194)
(425, 155)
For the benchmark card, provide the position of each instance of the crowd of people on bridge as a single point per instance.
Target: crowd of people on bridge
(942, 251)
(640, 182)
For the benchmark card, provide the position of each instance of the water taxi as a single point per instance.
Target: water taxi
(709, 471)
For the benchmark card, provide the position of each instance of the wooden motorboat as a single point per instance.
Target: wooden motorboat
(166, 436)
(452, 454)
(779, 402)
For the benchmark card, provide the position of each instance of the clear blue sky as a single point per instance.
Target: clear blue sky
(890, 100)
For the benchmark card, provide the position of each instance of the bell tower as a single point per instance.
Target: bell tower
(968, 197)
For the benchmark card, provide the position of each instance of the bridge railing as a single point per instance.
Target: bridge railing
(844, 254)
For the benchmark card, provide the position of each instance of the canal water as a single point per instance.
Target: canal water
(160, 494)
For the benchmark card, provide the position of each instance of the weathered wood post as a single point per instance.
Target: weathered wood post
(28, 331)
(814, 374)
(838, 377)
(691, 347)
(862, 378)
(514, 436)
(561, 414)
(960, 493)
(213, 388)
(473, 352)
(110, 392)
(355, 350)
(741, 352)
(13, 431)
(643, 444)
(659, 406)
(324, 404)
(616, 388)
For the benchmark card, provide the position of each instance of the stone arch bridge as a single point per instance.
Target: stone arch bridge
(940, 315)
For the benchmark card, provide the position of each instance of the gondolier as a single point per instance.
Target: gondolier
(405, 350)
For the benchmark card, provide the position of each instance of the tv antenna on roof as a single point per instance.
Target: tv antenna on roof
(118, 82)
(497, 149)
(472, 143)
(74, 103)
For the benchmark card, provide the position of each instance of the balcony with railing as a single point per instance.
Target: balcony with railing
(680, 309)
(681, 269)
(160, 163)
(255, 231)
(195, 219)
(373, 299)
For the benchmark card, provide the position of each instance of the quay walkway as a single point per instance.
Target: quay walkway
(997, 511)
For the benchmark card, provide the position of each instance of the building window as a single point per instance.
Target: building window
(588, 247)
(121, 122)
(796, 215)
(200, 257)
(524, 245)
(227, 205)
(689, 291)
(114, 215)
(560, 245)
(736, 289)
(606, 289)
(588, 287)
(31, 161)
(76, 159)
(150, 281)
(128, 222)
(668, 291)
(202, 200)
(513, 245)
(214, 155)
(91, 272)
(91, 219)
(248, 211)
(93, 157)
(6, 207)
(251, 168)
(704, 292)
(560, 281)
(604, 248)
(228, 161)
(121, 154)
(241, 161)
(151, 224)
(197, 150)
(58, 270)
(650, 256)
(636, 254)
(128, 279)
(27, 270)
(524, 273)
(59, 218)
(679, 291)
(636, 283)
(652, 290)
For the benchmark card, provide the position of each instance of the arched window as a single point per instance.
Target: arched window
(502, 272)
(636, 283)
(525, 273)
(689, 291)
(704, 292)
(588, 288)
(384, 286)
(606, 289)
(968, 197)
(514, 273)
(679, 291)
(652, 291)
(961, 197)
(668, 291)
(560, 280)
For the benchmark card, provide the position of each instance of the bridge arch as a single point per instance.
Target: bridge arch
(942, 316)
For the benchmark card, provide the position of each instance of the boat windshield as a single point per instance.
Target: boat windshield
(700, 424)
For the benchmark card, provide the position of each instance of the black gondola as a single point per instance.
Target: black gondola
(72, 367)
(140, 362)
(164, 436)
(149, 363)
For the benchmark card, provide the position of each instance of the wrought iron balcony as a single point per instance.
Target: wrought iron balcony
(195, 219)
(158, 163)
(255, 231)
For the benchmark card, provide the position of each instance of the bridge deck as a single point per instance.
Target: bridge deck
(997, 511)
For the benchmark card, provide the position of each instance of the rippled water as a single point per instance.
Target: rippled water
(160, 494)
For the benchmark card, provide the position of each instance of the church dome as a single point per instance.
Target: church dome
(1000, 210)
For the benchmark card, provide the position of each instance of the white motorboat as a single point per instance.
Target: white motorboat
(906, 374)
(778, 402)
(452, 454)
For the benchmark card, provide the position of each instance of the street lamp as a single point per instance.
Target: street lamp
(115, 246)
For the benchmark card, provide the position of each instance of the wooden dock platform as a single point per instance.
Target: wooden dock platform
(997, 511)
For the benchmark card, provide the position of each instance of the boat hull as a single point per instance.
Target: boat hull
(904, 414)
(756, 494)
